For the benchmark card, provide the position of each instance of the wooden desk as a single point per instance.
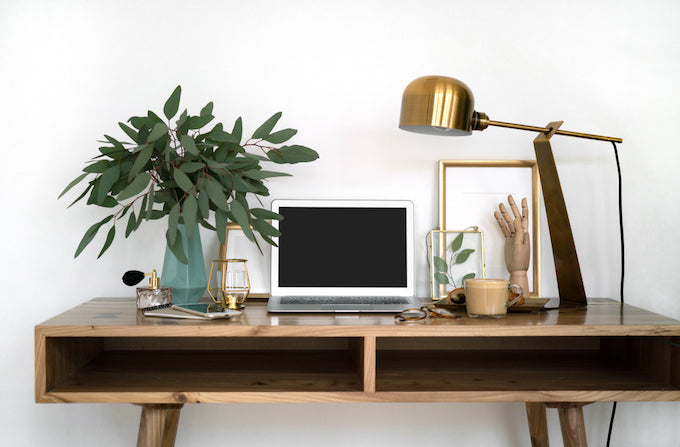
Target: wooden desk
(106, 351)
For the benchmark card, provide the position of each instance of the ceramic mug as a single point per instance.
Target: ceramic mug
(490, 298)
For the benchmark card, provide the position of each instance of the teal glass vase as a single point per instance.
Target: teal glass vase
(188, 281)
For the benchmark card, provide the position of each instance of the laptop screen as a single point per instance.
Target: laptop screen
(343, 248)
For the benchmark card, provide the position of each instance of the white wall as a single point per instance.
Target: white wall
(70, 70)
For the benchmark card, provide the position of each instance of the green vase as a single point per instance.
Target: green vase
(188, 281)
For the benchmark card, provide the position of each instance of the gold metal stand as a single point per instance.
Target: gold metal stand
(569, 280)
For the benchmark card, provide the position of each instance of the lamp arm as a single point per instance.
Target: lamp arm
(482, 121)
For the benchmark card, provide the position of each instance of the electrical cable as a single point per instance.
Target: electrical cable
(623, 264)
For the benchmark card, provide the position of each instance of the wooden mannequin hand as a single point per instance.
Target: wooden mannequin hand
(517, 244)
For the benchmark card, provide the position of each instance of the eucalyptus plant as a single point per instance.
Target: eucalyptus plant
(186, 172)
(444, 274)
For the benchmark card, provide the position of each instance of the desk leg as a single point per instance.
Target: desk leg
(572, 423)
(538, 426)
(158, 425)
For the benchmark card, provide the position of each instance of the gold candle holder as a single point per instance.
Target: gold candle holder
(228, 284)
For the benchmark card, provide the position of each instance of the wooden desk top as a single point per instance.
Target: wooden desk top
(118, 317)
(106, 351)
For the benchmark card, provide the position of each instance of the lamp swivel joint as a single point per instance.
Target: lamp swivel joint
(480, 121)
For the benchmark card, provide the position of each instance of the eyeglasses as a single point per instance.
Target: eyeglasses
(423, 313)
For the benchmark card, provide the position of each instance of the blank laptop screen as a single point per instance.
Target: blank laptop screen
(342, 247)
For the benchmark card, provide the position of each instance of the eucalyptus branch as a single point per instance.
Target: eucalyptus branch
(127, 172)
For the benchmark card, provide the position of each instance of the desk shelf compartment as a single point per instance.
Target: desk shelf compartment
(196, 368)
(625, 368)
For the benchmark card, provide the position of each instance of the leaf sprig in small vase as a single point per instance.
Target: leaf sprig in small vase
(444, 274)
(187, 172)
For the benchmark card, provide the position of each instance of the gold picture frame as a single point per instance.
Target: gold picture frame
(484, 189)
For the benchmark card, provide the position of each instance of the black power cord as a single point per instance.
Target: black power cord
(623, 264)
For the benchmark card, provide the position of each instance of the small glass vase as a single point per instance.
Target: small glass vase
(188, 281)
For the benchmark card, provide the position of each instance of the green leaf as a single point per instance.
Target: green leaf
(216, 194)
(181, 122)
(159, 129)
(457, 243)
(235, 183)
(292, 154)
(221, 136)
(97, 167)
(108, 178)
(237, 131)
(191, 166)
(176, 247)
(125, 211)
(241, 216)
(183, 180)
(221, 221)
(113, 153)
(89, 187)
(281, 136)
(153, 118)
(441, 278)
(216, 165)
(207, 110)
(259, 175)
(142, 159)
(468, 276)
(207, 226)
(196, 122)
(109, 240)
(262, 213)
(149, 207)
(130, 133)
(189, 211)
(265, 129)
(130, 225)
(108, 202)
(464, 255)
(172, 104)
(265, 228)
(140, 182)
(139, 121)
(90, 234)
(204, 204)
(257, 157)
(72, 184)
(143, 135)
(440, 264)
(173, 221)
(117, 144)
(189, 144)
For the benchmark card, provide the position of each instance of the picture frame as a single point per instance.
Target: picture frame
(469, 193)
(454, 256)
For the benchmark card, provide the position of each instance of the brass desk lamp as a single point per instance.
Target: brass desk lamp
(439, 105)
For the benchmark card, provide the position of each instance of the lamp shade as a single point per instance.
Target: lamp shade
(437, 105)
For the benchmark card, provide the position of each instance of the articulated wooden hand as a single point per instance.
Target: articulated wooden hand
(517, 244)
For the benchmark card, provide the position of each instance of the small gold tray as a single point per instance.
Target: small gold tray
(530, 305)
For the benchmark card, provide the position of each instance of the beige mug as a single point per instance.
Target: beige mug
(490, 298)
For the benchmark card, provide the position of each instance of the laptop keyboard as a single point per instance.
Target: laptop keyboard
(344, 300)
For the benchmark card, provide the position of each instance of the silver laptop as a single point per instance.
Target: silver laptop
(343, 256)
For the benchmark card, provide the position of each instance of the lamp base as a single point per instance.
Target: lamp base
(569, 281)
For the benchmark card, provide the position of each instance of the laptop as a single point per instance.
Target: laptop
(343, 256)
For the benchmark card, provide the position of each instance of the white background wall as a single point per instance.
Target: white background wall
(70, 70)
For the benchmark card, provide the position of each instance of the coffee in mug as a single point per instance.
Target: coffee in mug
(490, 298)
